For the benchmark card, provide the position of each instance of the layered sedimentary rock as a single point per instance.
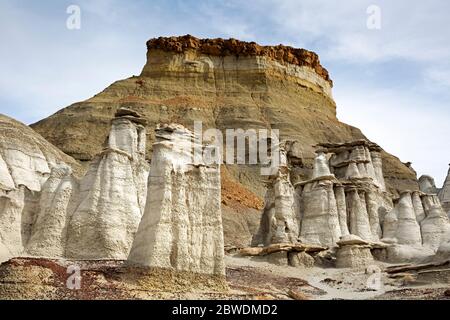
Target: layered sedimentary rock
(98, 216)
(226, 84)
(32, 278)
(182, 225)
(26, 163)
(300, 259)
(356, 160)
(351, 189)
(25, 157)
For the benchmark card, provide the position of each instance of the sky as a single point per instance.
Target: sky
(389, 60)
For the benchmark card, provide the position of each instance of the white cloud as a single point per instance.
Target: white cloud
(46, 67)
(416, 31)
(438, 76)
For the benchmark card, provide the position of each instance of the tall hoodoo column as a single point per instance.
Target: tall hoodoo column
(280, 219)
(373, 205)
(319, 210)
(359, 218)
(408, 229)
(182, 225)
(418, 206)
(341, 204)
(48, 236)
(378, 169)
(109, 205)
(390, 224)
(444, 194)
(320, 218)
(434, 227)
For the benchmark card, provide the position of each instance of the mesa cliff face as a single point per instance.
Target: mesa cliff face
(225, 84)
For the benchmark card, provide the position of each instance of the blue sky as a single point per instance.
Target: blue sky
(393, 83)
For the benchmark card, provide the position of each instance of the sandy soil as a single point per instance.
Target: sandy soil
(245, 274)
(246, 278)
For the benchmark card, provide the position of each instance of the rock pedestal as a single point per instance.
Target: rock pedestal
(301, 260)
(353, 252)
